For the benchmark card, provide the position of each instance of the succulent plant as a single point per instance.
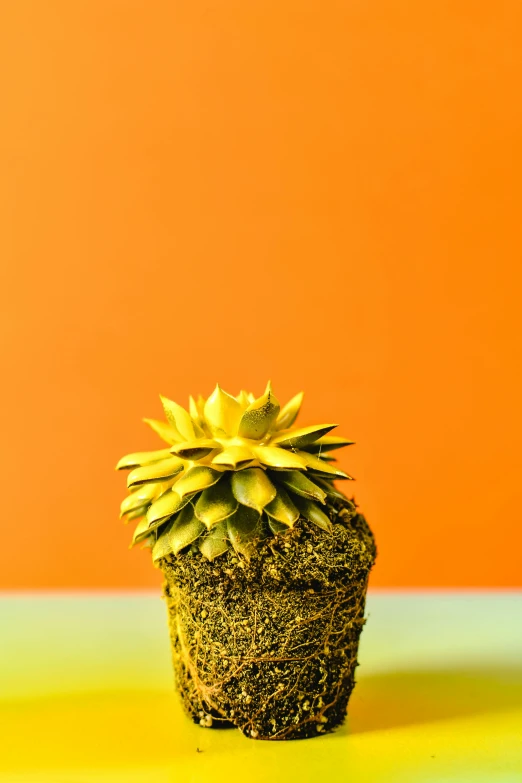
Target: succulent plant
(235, 470)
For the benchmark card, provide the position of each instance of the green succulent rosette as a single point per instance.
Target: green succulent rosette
(235, 470)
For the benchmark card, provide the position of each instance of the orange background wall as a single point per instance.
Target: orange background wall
(324, 193)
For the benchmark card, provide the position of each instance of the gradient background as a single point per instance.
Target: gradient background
(326, 194)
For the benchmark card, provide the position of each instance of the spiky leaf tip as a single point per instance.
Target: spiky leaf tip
(253, 488)
(259, 416)
(216, 503)
(216, 542)
(244, 529)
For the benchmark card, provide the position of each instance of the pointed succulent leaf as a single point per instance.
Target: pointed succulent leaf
(153, 488)
(196, 479)
(243, 400)
(141, 532)
(282, 509)
(259, 416)
(302, 486)
(296, 439)
(198, 430)
(328, 443)
(243, 529)
(195, 449)
(151, 527)
(289, 413)
(162, 546)
(137, 513)
(216, 542)
(143, 495)
(234, 457)
(276, 527)
(164, 507)
(216, 503)
(274, 457)
(222, 413)
(193, 410)
(141, 458)
(253, 488)
(178, 418)
(186, 529)
(312, 512)
(200, 405)
(197, 421)
(158, 471)
(329, 488)
(167, 433)
(316, 465)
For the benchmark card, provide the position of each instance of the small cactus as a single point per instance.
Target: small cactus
(236, 470)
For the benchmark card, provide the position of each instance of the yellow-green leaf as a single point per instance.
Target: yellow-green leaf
(197, 422)
(141, 458)
(178, 418)
(137, 513)
(196, 479)
(317, 465)
(167, 433)
(159, 471)
(282, 508)
(200, 404)
(222, 413)
(259, 416)
(141, 532)
(329, 488)
(302, 485)
(298, 438)
(195, 449)
(186, 529)
(328, 443)
(243, 400)
(216, 503)
(244, 527)
(234, 457)
(276, 527)
(193, 410)
(162, 547)
(289, 413)
(198, 430)
(253, 488)
(274, 457)
(311, 511)
(216, 542)
(164, 507)
(143, 495)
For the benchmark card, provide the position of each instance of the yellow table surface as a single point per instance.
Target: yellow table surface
(86, 696)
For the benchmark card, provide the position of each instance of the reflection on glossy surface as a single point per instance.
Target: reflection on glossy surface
(414, 723)
(398, 699)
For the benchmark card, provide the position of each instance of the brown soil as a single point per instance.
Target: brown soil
(270, 645)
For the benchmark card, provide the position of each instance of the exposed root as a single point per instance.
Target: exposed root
(273, 656)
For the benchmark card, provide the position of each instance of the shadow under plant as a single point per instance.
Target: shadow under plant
(394, 699)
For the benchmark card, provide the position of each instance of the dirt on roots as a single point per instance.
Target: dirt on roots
(270, 645)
